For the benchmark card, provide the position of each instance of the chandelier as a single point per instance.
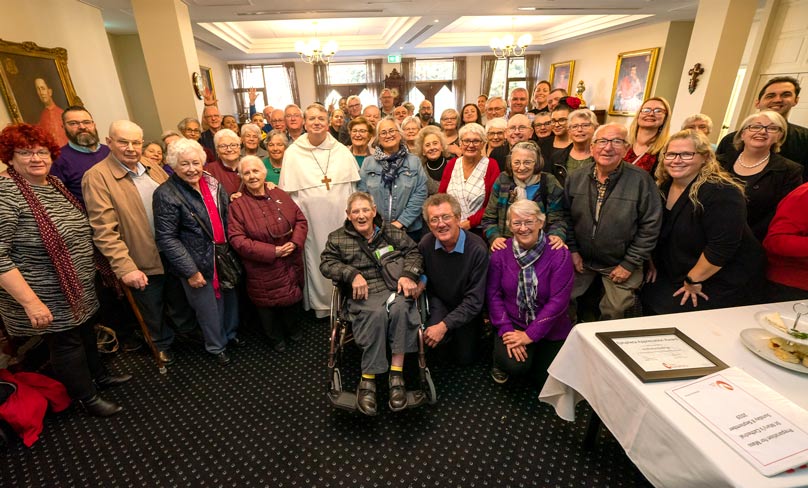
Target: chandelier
(311, 52)
(505, 47)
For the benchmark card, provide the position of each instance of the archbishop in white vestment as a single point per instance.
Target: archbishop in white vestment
(319, 173)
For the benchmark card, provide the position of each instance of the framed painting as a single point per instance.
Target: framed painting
(561, 75)
(633, 77)
(207, 79)
(36, 85)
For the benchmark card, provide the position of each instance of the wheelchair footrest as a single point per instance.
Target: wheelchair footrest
(343, 399)
(415, 398)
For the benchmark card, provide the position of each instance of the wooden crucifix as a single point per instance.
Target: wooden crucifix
(694, 73)
(326, 180)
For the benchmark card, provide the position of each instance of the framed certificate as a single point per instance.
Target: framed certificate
(661, 354)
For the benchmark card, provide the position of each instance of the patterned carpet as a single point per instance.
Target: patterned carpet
(264, 420)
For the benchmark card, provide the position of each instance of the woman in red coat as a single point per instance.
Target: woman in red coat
(268, 230)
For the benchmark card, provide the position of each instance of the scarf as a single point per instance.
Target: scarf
(526, 293)
(391, 164)
(57, 249)
(520, 188)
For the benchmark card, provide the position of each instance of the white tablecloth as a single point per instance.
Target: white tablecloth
(670, 446)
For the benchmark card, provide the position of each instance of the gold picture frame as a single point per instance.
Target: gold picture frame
(633, 78)
(207, 79)
(35, 81)
(561, 75)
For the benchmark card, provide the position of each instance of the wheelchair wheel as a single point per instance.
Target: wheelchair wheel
(429, 387)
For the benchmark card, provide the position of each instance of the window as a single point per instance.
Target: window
(433, 82)
(270, 82)
(348, 79)
(508, 74)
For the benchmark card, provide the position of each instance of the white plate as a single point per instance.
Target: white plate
(788, 319)
(757, 341)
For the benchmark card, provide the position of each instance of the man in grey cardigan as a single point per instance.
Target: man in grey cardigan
(616, 214)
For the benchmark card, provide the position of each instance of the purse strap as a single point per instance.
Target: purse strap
(191, 209)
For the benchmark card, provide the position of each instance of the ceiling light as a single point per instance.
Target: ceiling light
(527, 9)
(505, 47)
(310, 52)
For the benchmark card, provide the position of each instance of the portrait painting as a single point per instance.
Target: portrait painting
(207, 79)
(561, 75)
(36, 85)
(633, 77)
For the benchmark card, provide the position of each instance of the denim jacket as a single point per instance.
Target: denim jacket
(408, 194)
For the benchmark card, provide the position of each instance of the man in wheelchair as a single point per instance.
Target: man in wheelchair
(381, 265)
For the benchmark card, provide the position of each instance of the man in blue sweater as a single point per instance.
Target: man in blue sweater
(82, 150)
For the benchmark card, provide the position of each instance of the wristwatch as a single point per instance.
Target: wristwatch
(690, 281)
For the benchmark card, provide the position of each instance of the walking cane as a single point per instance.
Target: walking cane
(146, 334)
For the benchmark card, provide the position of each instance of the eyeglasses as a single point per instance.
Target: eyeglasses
(496, 133)
(231, 146)
(579, 126)
(354, 105)
(358, 132)
(530, 224)
(519, 128)
(684, 156)
(559, 121)
(125, 143)
(543, 124)
(388, 133)
(192, 131)
(27, 154)
(770, 129)
(471, 142)
(76, 123)
(655, 111)
(605, 142)
(519, 164)
(443, 218)
(294, 116)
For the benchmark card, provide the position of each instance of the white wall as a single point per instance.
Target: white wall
(135, 83)
(79, 28)
(221, 81)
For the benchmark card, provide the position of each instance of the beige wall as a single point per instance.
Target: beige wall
(221, 81)
(137, 89)
(78, 28)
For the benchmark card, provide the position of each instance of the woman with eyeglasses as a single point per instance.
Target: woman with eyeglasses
(431, 147)
(581, 127)
(395, 179)
(277, 142)
(448, 124)
(268, 230)
(361, 134)
(648, 133)
(528, 291)
(470, 177)
(559, 120)
(495, 130)
(768, 176)
(411, 126)
(523, 179)
(706, 256)
(190, 219)
(225, 169)
(251, 141)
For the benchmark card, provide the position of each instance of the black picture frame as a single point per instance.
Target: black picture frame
(664, 375)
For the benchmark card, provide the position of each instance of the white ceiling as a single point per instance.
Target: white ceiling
(268, 29)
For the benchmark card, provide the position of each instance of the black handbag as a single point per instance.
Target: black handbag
(228, 265)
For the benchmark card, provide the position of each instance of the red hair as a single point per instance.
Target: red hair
(25, 136)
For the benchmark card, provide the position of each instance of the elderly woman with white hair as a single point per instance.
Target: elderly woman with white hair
(268, 230)
(276, 142)
(190, 219)
(699, 122)
(433, 150)
(410, 126)
(767, 175)
(470, 177)
(251, 141)
(581, 125)
(528, 291)
(449, 120)
(225, 169)
(495, 130)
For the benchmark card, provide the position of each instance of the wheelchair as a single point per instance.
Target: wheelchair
(341, 335)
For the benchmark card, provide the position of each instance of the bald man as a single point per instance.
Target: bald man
(519, 130)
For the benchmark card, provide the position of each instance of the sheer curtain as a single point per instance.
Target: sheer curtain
(292, 77)
(487, 73)
(375, 78)
(237, 75)
(531, 73)
(459, 81)
(408, 72)
(322, 84)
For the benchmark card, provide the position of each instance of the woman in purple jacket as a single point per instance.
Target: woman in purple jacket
(528, 290)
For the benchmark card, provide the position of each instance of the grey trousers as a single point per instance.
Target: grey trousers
(217, 317)
(377, 323)
(618, 297)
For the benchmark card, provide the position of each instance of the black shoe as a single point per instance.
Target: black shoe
(167, 357)
(398, 393)
(366, 396)
(108, 381)
(223, 358)
(98, 407)
(237, 341)
(132, 344)
(279, 347)
(499, 376)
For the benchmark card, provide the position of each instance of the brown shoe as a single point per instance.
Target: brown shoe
(366, 397)
(398, 393)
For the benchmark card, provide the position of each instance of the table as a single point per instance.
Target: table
(666, 443)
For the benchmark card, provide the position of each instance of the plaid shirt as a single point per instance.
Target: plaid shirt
(601, 190)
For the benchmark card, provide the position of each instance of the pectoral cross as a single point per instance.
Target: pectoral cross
(326, 180)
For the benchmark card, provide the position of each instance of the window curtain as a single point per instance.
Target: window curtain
(237, 75)
(487, 73)
(459, 81)
(531, 73)
(408, 72)
(322, 84)
(375, 77)
(291, 76)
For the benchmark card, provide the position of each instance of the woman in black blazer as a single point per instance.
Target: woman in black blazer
(768, 176)
(706, 255)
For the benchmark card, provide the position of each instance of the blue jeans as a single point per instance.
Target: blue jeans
(217, 317)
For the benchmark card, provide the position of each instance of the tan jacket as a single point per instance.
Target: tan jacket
(120, 226)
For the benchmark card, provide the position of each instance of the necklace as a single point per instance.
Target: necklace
(749, 166)
(442, 162)
(325, 179)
